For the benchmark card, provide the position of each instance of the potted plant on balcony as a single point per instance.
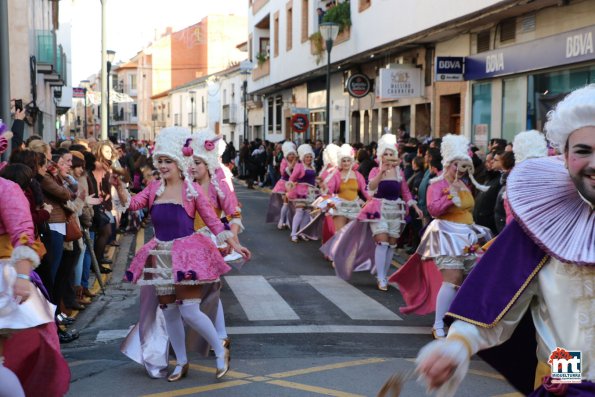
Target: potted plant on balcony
(339, 14)
(262, 57)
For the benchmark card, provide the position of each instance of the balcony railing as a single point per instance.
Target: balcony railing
(262, 70)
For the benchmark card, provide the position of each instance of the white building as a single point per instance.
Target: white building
(407, 36)
(40, 62)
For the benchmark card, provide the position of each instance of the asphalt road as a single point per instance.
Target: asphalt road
(297, 330)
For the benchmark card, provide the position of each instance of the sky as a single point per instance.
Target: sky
(131, 25)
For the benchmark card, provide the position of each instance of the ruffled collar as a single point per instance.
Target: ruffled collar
(546, 204)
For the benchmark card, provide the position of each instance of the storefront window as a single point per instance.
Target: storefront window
(514, 107)
(482, 114)
(545, 90)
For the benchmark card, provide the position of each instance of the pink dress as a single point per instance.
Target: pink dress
(32, 351)
(305, 184)
(285, 173)
(179, 256)
(387, 204)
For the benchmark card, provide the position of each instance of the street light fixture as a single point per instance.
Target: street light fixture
(85, 84)
(192, 109)
(110, 58)
(329, 32)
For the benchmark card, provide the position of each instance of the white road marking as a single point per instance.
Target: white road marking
(111, 334)
(352, 301)
(328, 329)
(259, 299)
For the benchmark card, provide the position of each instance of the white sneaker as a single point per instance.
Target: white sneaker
(280, 226)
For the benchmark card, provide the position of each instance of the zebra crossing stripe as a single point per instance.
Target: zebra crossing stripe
(259, 299)
(353, 302)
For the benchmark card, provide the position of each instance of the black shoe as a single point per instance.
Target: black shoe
(104, 270)
(64, 319)
(105, 261)
(67, 337)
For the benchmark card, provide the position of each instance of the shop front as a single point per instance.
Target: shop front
(513, 88)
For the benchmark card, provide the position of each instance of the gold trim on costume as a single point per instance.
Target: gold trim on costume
(510, 303)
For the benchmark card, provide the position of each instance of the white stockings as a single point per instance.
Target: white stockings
(445, 297)
(201, 323)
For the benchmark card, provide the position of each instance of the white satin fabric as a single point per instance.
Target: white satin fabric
(562, 303)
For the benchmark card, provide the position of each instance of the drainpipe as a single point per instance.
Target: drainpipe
(4, 66)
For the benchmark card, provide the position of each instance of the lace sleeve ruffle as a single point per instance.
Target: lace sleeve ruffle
(224, 236)
(23, 252)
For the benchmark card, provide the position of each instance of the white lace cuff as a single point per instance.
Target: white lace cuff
(224, 236)
(118, 205)
(24, 252)
(237, 221)
(454, 349)
(411, 203)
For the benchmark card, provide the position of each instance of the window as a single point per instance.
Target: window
(278, 114)
(176, 119)
(514, 103)
(276, 34)
(202, 103)
(483, 41)
(481, 118)
(507, 30)
(364, 5)
(133, 82)
(225, 96)
(305, 12)
(270, 116)
(289, 32)
(134, 111)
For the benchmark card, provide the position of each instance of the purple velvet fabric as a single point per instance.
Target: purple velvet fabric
(498, 276)
(389, 190)
(309, 178)
(583, 389)
(171, 221)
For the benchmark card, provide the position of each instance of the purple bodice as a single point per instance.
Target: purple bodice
(309, 178)
(389, 190)
(285, 177)
(171, 221)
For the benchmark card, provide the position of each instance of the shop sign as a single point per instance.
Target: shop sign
(401, 82)
(562, 49)
(358, 85)
(449, 68)
(300, 123)
(78, 92)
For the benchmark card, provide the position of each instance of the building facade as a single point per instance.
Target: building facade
(394, 52)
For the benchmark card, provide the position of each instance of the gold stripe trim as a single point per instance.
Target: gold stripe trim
(510, 303)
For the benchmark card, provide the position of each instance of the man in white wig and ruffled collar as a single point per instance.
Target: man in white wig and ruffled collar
(529, 301)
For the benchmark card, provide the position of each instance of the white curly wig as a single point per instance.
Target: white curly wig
(304, 150)
(456, 148)
(386, 141)
(529, 144)
(169, 143)
(209, 147)
(575, 111)
(287, 148)
(329, 155)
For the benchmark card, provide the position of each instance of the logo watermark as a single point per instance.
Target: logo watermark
(566, 366)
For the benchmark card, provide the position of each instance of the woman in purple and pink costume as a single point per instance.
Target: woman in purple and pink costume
(27, 328)
(302, 190)
(278, 204)
(178, 260)
(386, 211)
(207, 171)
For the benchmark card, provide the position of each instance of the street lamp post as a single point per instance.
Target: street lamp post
(329, 32)
(85, 85)
(192, 109)
(246, 68)
(110, 58)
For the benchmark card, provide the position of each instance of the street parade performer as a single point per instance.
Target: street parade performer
(206, 168)
(278, 210)
(530, 298)
(357, 247)
(28, 335)
(178, 260)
